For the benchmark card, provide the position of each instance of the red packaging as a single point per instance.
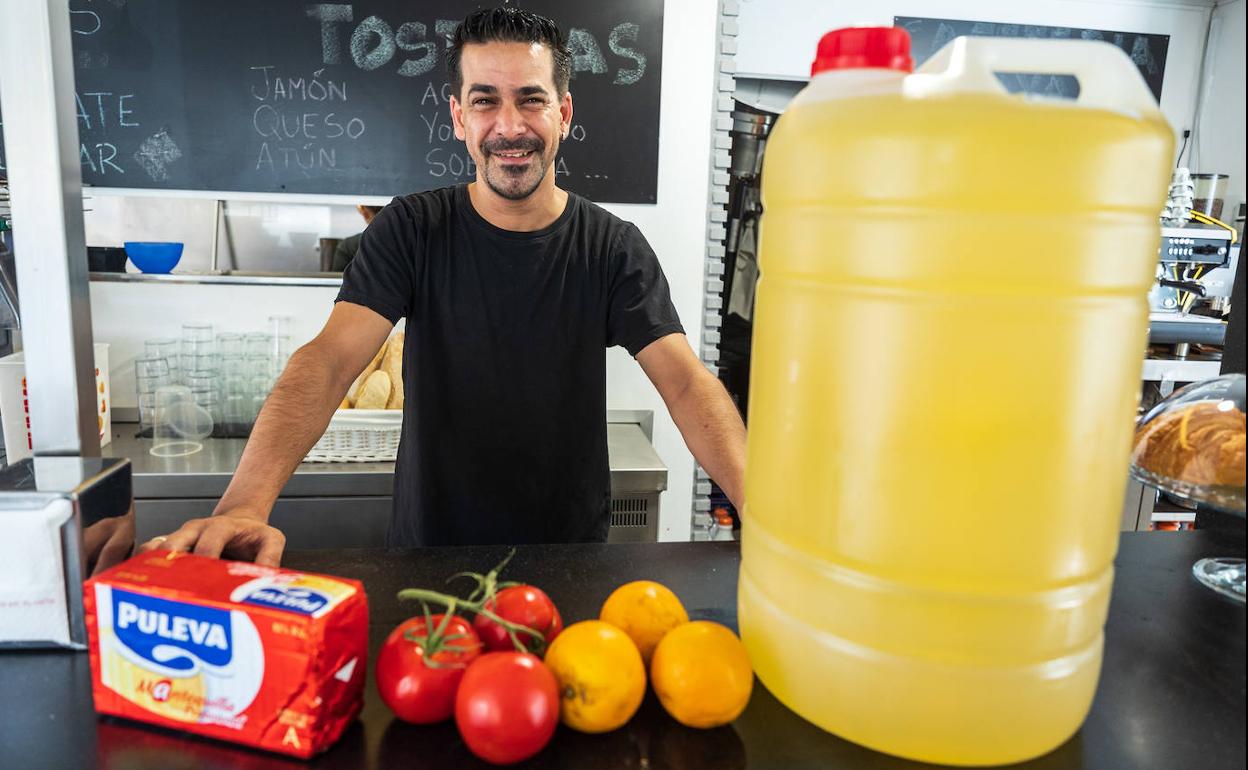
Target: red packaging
(260, 656)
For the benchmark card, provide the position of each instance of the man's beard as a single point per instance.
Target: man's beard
(516, 182)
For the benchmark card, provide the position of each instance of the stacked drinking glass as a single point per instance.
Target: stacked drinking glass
(229, 374)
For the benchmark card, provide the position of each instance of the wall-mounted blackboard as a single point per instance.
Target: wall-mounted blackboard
(927, 36)
(346, 98)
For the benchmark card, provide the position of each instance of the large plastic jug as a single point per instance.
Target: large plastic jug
(949, 331)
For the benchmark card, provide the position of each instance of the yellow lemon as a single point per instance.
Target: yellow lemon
(601, 677)
(702, 674)
(645, 610)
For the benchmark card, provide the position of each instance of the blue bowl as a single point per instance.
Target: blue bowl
(154, 256)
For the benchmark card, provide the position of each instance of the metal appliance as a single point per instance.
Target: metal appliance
(750, 127)
(1196, 265)
(1188, 306)
(98, 532)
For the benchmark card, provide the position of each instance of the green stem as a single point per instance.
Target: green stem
(425, 595)
(486, 589)
(450, 602)
(435, 638)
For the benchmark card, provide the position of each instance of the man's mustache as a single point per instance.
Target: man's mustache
(513, 145)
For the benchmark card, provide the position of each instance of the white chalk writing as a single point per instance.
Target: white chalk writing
(629, 32)
(315, 89)
(104, 115)
(586, 55)
(375, 43)
(296, 133)
(442, 162)
(329, 14)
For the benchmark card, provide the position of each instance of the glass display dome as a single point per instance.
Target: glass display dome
(1191, 445)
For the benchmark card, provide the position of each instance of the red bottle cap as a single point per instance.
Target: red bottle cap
(864, 48)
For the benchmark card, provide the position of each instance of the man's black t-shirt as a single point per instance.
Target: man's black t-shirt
(504, 365)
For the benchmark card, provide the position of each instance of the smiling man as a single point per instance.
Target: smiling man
(513, 289)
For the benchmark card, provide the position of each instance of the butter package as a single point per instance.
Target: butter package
(254, 655)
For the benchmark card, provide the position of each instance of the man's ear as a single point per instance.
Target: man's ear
(565, 113)
(457, 118)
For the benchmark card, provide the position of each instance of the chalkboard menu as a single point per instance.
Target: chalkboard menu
(927, 36)
(347, 98)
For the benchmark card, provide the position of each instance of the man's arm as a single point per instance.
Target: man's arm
(293, 418)
(702, 410)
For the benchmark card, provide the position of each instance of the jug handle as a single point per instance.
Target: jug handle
(1108, 79)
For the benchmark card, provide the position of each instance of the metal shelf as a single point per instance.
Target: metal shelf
(1180, 370)
(233, 279)
(1187, 516)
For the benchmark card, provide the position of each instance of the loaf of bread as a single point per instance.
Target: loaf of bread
(375, 391)
(353, 392)
(392, 364)
(1200, 444)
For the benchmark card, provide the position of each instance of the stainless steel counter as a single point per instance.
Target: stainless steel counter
(635, 468)
(169, 491)
(207, 472)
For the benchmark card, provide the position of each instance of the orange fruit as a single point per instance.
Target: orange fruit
(702, 675)
(601, 677)
(645, 610)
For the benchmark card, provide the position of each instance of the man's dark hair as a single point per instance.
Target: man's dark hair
(509, 24)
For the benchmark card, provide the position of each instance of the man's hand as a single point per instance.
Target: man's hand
(234, 534)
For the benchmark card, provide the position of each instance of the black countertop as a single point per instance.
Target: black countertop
(1171, 693)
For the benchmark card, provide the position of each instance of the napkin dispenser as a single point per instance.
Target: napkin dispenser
(61, 519)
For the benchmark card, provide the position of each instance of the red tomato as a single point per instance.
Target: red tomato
(507, 707)
(526, 605)
(414, 690)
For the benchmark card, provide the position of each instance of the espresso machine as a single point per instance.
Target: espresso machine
(1195, 272)
(1189, 306)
